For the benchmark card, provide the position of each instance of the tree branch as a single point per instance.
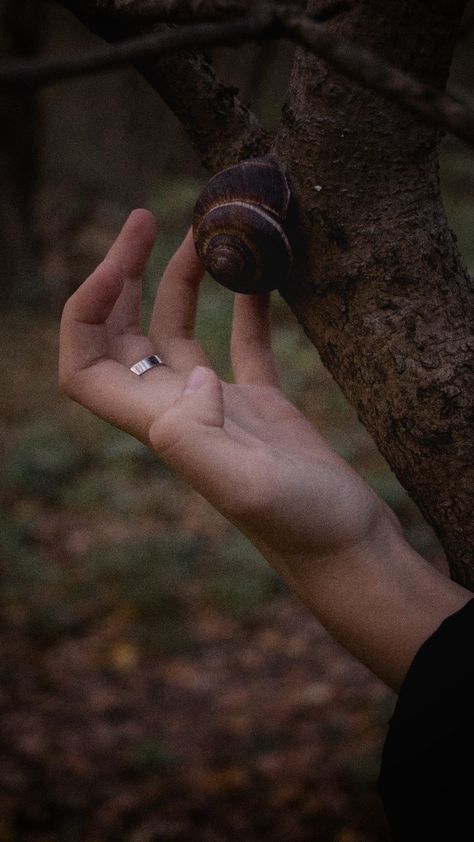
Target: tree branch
(186, 11)
(357, 63)
(35, 74)
(222, 129)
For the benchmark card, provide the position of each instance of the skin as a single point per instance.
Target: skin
(249, 451)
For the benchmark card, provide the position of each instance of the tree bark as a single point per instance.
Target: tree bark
(382, 291)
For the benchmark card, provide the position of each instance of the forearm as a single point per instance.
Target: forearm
(380, 600)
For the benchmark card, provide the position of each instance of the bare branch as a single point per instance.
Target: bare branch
(359, 64)
(175, 11)
(34, 74)
(221, 128)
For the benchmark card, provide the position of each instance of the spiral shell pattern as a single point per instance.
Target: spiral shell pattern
(239, 228)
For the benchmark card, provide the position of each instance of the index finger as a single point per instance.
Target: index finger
(87, 370)
(84, 336)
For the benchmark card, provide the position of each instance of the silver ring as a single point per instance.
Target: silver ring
(144, 365)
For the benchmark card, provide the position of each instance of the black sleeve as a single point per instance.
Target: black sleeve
(427, 774)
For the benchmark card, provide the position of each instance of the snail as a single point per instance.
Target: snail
(239, 226)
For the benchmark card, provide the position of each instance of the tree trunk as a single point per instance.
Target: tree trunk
(19, 37)
(383, 292)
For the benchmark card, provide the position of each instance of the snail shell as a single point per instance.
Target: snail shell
(239, 226)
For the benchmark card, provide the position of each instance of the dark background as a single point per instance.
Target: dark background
(158, 680)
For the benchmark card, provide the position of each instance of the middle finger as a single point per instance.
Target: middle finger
(174, 312)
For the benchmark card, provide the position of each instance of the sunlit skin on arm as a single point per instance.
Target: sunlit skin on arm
(249, 451)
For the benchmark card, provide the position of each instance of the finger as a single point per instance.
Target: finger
(84, 335)
(251, 342)
(130, 254)
(88, 374)
(86, 370)
(130, 402)
(174, 312)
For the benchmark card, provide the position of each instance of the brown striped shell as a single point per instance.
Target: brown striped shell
(239, 226)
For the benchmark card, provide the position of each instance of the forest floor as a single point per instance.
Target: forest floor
(158, 683)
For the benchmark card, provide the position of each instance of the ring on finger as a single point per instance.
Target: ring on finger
(146, 363)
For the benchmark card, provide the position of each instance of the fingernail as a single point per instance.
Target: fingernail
(196, 379)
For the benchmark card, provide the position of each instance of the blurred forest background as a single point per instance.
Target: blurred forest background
(158, 682)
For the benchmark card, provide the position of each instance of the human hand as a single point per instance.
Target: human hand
(248, 450)
(243, 445)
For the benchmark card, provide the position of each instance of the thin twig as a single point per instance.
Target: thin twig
(35, 74)
(187, 11)
(220, 127)
(357, 63)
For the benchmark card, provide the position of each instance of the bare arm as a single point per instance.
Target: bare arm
(249, 451)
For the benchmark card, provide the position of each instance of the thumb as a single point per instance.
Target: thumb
(196, 416)
(190, 437)
(202, 398)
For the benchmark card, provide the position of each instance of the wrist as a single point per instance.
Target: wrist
(377, 597)
(376, 534)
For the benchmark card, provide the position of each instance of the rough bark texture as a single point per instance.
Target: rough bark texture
(383, 293)
(222, 129)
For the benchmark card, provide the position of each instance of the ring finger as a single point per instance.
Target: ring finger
(174, 313)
